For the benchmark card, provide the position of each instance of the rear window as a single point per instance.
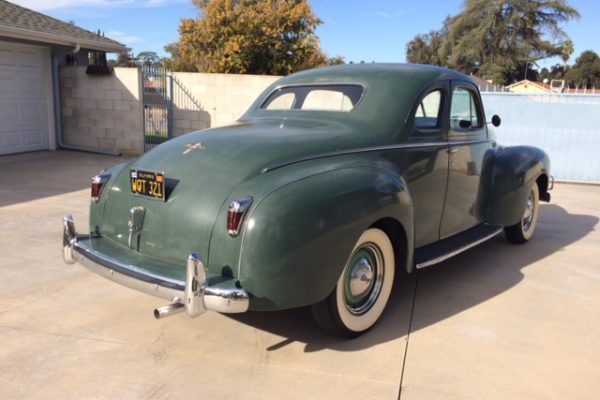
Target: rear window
(315, 98)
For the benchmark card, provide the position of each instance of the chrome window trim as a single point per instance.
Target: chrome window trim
(293, 85)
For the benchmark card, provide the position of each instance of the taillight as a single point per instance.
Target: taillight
(98, 183)
(235, 215)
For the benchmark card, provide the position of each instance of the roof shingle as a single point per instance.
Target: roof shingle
(15, 19)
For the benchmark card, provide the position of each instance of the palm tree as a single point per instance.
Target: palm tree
(565, 52)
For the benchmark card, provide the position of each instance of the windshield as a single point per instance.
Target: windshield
(314, 97)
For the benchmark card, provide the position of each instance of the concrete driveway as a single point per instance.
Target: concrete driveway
(498, 322)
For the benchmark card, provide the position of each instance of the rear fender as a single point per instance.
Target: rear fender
(299, 237)
(515, 170)
(97, 207)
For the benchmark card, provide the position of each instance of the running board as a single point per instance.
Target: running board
(437, 252)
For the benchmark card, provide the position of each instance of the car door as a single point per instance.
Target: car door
(424, 161)
(468, 143)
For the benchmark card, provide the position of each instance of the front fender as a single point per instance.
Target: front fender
(515, 170)
(299, 237)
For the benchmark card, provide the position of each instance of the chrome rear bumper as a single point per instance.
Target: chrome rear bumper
(194, 295)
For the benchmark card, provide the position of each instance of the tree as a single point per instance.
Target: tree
(176, 62)
(337, 60)
(430, 48)
(585, 72)
(497, 39)
(148, 58)
(125, 60)
(556, 71)
(566, 50)
(249, 36)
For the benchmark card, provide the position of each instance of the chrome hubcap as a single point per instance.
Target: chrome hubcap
(528, 214)
(363, 278)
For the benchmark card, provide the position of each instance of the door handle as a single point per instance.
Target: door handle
(453, 150)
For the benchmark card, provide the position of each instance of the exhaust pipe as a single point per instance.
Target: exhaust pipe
(166, 311)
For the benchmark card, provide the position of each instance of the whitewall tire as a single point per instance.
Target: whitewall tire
(363, 288)
(522, 231)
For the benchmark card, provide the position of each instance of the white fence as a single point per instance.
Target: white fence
(566, 126)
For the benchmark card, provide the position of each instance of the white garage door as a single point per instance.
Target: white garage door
(23, 98)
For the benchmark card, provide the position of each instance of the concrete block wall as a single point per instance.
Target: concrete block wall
(103, 112)
(218, 99)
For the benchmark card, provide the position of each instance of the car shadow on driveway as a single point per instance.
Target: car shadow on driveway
(443, 290)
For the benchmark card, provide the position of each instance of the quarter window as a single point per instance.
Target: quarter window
(429, 111)
(464, 113)
(283, 102)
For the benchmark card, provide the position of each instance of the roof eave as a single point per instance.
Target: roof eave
(50, 38)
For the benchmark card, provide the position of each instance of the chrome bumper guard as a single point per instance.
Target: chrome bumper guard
(194, 295)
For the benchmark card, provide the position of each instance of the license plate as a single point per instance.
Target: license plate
(148, 184)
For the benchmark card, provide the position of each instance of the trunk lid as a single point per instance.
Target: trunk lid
(201, 170)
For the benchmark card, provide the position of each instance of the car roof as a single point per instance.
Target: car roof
(390, 94)
(370, 72)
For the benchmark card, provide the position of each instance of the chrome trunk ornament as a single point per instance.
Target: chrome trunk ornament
(191, 147)
(136, 220)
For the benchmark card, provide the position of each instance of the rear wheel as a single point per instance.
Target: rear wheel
(363, 289)
(522, 231)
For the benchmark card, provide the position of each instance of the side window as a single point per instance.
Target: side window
(464, 113)
(327, 100)
(429, 111)
(333, 97)
(284, 102)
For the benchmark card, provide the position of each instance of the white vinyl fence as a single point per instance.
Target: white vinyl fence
(566, 126)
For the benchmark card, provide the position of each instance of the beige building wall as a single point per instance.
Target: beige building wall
(528, 87)
(105, 112)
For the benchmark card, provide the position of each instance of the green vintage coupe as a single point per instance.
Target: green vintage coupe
(333, 180)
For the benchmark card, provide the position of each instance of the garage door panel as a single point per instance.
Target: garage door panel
(23, 98)
(32, 137)
(30, 60)
(9, 86)
(32, 111)
(31, 86)
(10, 139)
(7, 58)
(9, 112)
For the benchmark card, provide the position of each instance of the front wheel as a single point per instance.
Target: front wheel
(522, 231)
(363, 289)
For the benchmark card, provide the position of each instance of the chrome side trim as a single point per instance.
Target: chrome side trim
(440, 143)
(466, 247)
(197, 296)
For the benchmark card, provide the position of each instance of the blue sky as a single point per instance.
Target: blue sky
(375, 30)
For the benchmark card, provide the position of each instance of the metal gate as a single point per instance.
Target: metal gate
(157, 97)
